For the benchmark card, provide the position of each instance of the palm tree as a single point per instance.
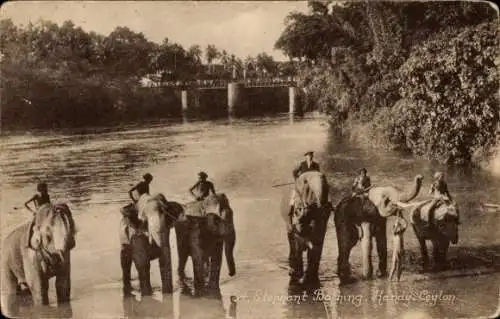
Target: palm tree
(211, 53)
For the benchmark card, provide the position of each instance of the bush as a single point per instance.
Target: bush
(450, 90)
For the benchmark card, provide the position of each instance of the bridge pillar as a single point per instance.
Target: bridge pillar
(184, 100)
(235, 97)
(292, 100)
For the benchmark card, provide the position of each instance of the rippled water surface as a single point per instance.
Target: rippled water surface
(92, 170)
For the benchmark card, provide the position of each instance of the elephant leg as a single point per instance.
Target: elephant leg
(295, 258)
(126, 264)
(9, 304)
(229, 243)
(366, 248)
(381, 241)
(165, 261)
(63, 282)
(141, 258)
(197, 257)
(314, 254)
(215, 265)
(440, 248)
(39, 287)
(423, 249)
(182, 250)
(347, 237)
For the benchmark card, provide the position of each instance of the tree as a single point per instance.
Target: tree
(127, 53)
(211, 53)
(265, 63)
(195, 52)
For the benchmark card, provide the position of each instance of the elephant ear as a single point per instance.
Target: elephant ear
(33, 237)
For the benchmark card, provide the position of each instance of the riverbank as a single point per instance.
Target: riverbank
(429, 89)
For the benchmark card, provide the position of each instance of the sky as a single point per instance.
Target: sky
(240, 27)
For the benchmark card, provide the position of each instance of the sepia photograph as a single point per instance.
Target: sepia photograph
(249, 159)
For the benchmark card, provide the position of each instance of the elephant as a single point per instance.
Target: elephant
(203, 234)
(440, 226)
(35, 252)
(306, 228)
(369, 212)
(145, 236)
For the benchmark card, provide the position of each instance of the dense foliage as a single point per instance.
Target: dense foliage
(60, 75)
(419, 76)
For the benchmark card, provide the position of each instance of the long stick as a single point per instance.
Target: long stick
(285, 184)
(491, 205)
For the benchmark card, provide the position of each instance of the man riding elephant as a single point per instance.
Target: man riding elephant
(305, 166)
(202, 188)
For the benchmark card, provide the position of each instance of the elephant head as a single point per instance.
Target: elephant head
(52, 233)
(219, 215)
(446, 221)
(220, 224)
(311, 195)
(386, 198)
(158, 215)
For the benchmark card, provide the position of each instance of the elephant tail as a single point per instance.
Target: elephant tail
(229, 243)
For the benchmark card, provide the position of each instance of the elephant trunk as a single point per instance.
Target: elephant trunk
(413, 191)
(450, 230)
(60, 253)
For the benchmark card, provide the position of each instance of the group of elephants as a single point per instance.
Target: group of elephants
(362, 218)
(39, 250)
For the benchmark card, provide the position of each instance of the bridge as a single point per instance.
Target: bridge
(240, 96)
(223, 83)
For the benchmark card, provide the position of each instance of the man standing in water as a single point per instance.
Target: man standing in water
(305, 166)
(202, 188)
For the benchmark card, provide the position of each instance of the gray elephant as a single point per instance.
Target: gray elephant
(145, 236)
(307, 226)
(369, 214)
(440, 226)
(203, 234)
(34, 253)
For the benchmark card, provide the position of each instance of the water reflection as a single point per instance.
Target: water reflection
(148, 307)
(206, 307)
(305, 302)
(57, 311)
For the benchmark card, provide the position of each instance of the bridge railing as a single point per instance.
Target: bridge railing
(218, 83)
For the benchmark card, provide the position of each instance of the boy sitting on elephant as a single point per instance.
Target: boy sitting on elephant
(439, 191)
(361, 183)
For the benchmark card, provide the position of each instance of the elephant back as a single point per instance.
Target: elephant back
(442, 210)
(213, 204)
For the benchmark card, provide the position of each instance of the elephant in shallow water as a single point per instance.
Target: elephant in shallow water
(307, 226)
(440, 226)
(203, 234)
(34, 253)
(369, 213)
(145, 236)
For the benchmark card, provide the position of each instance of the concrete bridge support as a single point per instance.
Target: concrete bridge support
(235, 97)
(184, 101)
(294, 101)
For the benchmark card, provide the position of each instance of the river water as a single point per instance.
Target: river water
(93, 169)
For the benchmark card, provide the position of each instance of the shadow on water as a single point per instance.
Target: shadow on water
(27, 310)
(305, 302)
(180, 306)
